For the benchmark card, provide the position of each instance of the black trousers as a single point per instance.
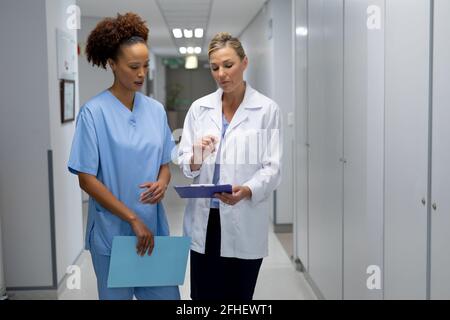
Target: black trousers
(217, 278)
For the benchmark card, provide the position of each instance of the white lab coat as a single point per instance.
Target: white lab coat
(244, 226)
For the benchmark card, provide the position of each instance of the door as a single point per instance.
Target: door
(301, 130)
(325, 104)
(363, 147)
(440, 212)
(406, 148)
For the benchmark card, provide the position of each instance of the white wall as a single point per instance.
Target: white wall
(258, 48)
(68, 209)
(282, 88)
(268, 44)
(30, 125)
(301, 219)
(24, 141)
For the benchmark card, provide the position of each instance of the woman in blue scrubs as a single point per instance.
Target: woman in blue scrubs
(121, 152)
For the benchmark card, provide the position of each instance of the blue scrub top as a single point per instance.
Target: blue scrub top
(123, 149)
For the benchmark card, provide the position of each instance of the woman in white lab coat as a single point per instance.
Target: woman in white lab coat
(231, 136)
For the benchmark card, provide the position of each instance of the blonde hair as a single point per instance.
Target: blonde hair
(223, 40)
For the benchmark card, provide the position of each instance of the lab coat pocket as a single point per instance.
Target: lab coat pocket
(237, 211)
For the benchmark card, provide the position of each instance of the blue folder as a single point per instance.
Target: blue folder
(165, 267)
(202, 190)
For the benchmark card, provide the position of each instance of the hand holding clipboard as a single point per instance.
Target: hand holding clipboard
(202, 190)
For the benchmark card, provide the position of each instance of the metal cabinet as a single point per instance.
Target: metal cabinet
(300, 48)
(363, 146)
(407, 148)
(325, 100)
(440, 186)
(373, 114)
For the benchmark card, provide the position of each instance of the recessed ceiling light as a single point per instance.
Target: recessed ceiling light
(177, 33)
(183, 50)
(188, 33)
(190, 50)
(198, 50)
(191, 62)
(199, 33)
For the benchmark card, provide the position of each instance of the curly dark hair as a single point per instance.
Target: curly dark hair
(110, 34)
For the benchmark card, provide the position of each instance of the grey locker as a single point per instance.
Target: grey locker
(440, 214)
(363, 147)
(406, 148)
(325, 101)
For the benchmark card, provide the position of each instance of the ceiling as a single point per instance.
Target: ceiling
(162, 15)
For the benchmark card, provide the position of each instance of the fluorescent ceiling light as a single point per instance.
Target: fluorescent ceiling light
(177, 33)
(198, 50)
(190, 50)
(199, 33)
(188, 33)
(183, 50)
(191, 62)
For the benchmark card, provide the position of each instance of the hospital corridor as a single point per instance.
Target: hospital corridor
(273, 149)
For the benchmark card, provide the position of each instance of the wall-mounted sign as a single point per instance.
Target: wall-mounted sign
(67, 55)
(173, 63)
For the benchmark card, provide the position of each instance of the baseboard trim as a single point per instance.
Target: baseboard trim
(40, 293)
(283, 228)
(314, 287)
(33, 293)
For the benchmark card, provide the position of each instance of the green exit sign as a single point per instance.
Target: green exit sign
(173, 63)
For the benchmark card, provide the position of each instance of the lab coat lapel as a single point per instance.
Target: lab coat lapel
(242, 113)
(216, 117)
(215, 112)
(240, 116)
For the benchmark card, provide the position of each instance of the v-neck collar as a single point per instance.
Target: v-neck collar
(122, 106)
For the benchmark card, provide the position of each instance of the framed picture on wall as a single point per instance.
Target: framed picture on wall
(67, 89)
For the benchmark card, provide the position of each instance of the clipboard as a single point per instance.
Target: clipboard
(202, 190)
(165, 267)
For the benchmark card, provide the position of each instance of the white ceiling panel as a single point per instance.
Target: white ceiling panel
(163, 15)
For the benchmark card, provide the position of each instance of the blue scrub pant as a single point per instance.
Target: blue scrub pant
(101, 268)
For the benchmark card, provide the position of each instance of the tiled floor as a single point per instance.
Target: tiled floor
(278, 279)
(286, 241)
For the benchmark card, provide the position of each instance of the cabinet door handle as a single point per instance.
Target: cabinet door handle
(424, 202)
(434, 206)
